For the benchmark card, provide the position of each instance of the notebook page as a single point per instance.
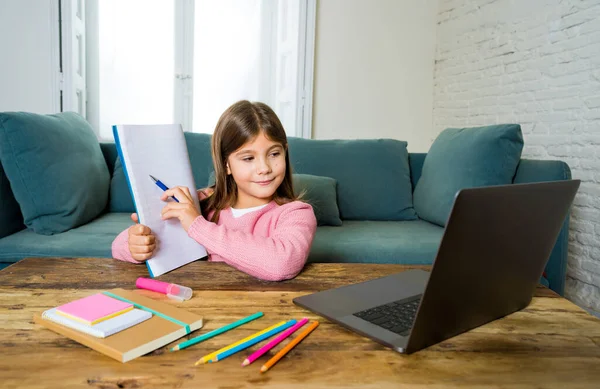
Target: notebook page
(160, 151)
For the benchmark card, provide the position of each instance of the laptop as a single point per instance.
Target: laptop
(492, 254)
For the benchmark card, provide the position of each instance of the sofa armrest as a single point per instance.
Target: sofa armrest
(539, 171)
(530, 170)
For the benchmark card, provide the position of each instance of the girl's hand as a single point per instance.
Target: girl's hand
(204, 193)
(142, 242)
(184, 210)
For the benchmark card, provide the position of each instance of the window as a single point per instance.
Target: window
(185, 61)
(136, 64)
(73, 80)
(234, 65)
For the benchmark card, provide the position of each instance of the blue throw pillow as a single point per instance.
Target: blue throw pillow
(321, 193)
(464, 158)
(373, 175)
(120, 199)
(55, 168)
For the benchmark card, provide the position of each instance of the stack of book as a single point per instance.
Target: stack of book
(98, 315)
(121, 324)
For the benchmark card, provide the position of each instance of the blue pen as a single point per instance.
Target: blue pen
(162, 186)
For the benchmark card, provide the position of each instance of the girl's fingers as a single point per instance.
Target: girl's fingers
(141, 257)
(142, 249)
(142, 240)
(186, 190)
(140, 229)
(183, 195)
(174, 207)
(134, 217)
(180, 192)
(205, 192)
(170, 213)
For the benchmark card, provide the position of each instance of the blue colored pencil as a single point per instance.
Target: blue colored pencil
(251, 342)
(216, 332)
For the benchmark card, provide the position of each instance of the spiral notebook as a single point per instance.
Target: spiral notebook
(159, 151)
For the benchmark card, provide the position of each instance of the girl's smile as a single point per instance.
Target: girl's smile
(264, 183)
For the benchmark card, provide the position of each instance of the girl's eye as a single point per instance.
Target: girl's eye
(247, 159)
(275, 154)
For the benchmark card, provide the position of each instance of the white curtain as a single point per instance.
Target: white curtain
(136, 64)
(230, 57)
(242, 49)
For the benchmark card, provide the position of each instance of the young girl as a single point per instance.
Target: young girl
(250, 218)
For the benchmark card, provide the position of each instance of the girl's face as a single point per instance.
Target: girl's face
(258, 168)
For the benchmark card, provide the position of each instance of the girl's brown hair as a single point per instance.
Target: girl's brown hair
(239, 124)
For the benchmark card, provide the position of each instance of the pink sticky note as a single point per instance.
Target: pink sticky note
(93, 308)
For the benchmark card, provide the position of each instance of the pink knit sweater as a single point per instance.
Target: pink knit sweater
(271, 243)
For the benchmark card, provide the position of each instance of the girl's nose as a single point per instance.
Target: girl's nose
(264, 167)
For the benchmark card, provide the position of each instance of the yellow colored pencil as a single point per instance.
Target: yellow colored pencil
(287, 348)
(210, 356)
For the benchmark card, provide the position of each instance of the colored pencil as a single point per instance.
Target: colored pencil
(287, 348)
(259, 353)
(252, 341)
(216, 332)
(208, 357)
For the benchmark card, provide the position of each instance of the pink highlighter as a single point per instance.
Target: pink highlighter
(173, 291)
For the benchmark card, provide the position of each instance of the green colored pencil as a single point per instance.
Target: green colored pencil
(216, 332)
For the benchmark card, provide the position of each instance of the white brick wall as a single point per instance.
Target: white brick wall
(537, 63)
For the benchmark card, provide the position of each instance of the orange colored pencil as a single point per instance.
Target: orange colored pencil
(287, 348)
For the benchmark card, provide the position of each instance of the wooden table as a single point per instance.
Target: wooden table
(550, 344)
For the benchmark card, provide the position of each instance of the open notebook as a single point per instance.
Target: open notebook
(159, 151)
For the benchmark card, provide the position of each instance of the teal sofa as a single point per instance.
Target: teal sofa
(375, 181)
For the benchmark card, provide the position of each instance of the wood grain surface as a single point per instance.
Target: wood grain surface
(550, 344)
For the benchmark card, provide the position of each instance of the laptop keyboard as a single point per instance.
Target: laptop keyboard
(397, 316)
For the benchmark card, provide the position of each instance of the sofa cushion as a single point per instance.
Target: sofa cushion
(198, 146)
(120, 199)
(11, 219)
(463, 158)
(55, 167)
(404, 242)
(320, 192)
(90, 240)
(373, 175)
(199, 150)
